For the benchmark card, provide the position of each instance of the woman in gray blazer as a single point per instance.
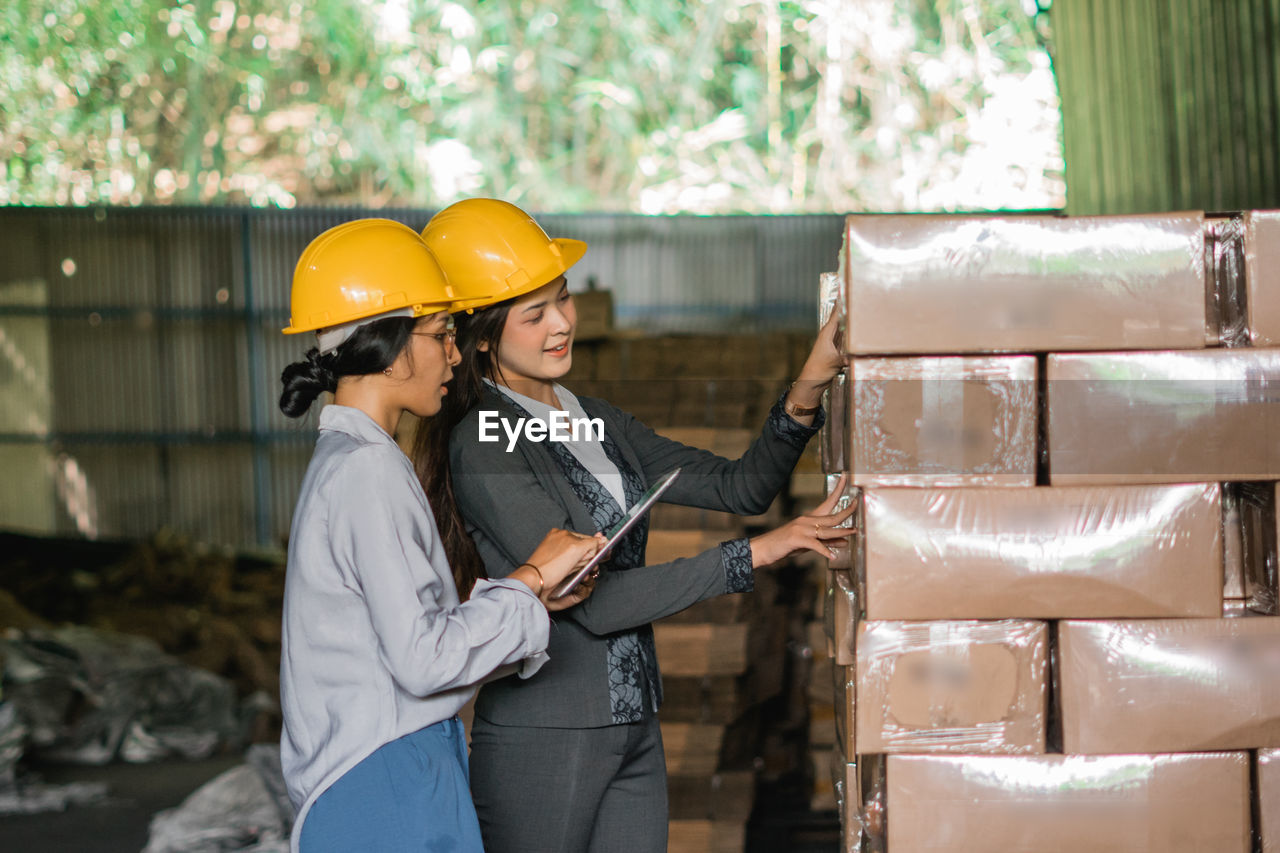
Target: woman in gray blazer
(571, 759)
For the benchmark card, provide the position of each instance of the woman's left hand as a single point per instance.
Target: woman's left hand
(580, 593)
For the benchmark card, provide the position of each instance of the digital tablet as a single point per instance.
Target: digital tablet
(647, 500)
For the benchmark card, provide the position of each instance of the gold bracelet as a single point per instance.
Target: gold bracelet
(541, 583)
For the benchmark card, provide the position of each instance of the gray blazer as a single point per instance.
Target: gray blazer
(603, 670)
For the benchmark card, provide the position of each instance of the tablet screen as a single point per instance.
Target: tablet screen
(647, 500)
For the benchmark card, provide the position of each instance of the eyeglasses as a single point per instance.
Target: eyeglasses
(447, 336)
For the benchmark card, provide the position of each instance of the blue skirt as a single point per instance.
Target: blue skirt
(411, 794)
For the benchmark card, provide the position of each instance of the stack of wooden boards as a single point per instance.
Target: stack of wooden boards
(816, 673)
(824, 751)
(1062, 437)
(722, 660)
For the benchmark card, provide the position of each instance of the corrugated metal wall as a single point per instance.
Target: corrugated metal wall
(140, 348)
(1169, 104)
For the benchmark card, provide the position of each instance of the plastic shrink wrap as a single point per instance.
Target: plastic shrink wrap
(843, 548)
(93, 697)
(846, 694)
(1169, 685)
(1164, 417)
(1250, 546)
(844, 780)
(1262, 276)
(835, 432)
(25, 794)
(1046, 552)
(1226, 319)
(830, 298)
(246, 808)
(959, 687)
(840, 614)
(1196, 803)
(1268, 780)
(860, 802)
(1233, 535)
(945, 421)
(1238, 608)
(949, 284)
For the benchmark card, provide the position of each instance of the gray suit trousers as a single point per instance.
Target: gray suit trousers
(609, 784)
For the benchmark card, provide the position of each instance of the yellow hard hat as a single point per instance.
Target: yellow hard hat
(491, 251)
(363, 269)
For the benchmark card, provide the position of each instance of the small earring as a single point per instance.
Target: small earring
(387, 371)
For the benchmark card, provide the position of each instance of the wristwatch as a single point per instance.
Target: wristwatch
(797, 411)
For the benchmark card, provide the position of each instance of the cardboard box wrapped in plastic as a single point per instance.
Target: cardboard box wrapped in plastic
(953, 284)
(1262, 276)
(1169, 685)
(945, 421)
(959, 687)
(1164, 417)
(1197, 803)
(1046, 553)
(1268, 776)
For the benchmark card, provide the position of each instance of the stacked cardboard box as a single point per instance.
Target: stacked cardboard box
(1061, 436)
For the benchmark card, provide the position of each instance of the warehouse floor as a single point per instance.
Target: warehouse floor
(117, 824)
(137, 791)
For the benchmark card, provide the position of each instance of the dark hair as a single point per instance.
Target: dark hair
(371, 349)
(431, 442)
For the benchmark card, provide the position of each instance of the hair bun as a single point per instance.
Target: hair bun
(304, 381)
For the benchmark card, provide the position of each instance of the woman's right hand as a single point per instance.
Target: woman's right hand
(808, 532)
(560, 554)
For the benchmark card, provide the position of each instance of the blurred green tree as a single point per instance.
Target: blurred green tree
(631, 105)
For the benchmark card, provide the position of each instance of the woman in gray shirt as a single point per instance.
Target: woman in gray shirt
(571, 759)
(381, 648)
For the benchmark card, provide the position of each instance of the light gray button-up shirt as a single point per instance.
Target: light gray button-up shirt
(376, 644)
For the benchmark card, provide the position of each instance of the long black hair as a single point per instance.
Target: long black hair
(431, 442)
(372, 348)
